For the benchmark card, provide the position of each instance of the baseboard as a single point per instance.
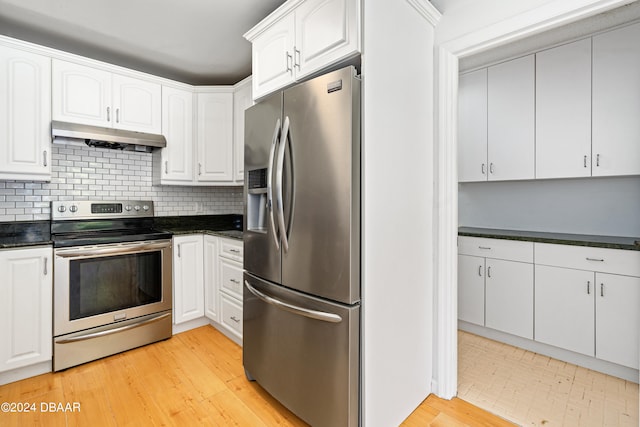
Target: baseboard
(25, 372)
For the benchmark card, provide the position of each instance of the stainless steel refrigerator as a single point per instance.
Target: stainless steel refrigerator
(301, 334)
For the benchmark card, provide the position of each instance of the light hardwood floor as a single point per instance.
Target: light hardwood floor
(193, 379)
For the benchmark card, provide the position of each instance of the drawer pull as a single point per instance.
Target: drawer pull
(235, 319)
(235, 251)
(595, 259)
(237, 282)
(484, 247)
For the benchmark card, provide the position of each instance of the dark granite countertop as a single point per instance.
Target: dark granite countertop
(229, 226)
(24, 233)
(611, 242)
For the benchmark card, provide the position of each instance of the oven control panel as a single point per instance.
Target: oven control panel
(86, 209)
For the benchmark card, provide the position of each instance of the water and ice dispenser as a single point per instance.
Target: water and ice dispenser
(257, 201)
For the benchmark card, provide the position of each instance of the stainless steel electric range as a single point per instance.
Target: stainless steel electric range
(112, 280)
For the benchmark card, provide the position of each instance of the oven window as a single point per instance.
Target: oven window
(106, 284)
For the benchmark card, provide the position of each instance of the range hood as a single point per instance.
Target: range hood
(96, 136)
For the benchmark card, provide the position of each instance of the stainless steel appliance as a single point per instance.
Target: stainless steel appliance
(112, 279)
(301, 335)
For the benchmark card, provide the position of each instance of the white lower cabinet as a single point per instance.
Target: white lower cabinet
(230, 285)
(26, 292)
(496, 292)
(188, 281)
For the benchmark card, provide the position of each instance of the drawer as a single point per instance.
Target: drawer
(510, 250)
(615, 261)
(231, 313)
(232, 249)
(231, 277)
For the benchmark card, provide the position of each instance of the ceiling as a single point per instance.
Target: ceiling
(193, 41)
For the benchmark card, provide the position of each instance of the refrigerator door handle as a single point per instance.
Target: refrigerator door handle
(312, 314)
(280, 184)
(272, 155)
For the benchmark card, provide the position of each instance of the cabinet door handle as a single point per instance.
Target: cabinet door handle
(588, 287)
(480, 270)
(601, 289)
(178, 251)
(296, 59)
(199, 168)
(117, 115)
(483, 169)
(489, 272)
(598, 160)
(108, 114)
(491, 167)
(44, 157)
(46, 261)
(166, 167)
(585, 161)
(595, 259)
(288, 58)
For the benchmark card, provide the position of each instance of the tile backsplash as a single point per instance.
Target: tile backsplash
(89, 173)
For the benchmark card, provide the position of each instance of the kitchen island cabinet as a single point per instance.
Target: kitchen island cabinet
(26, 292)
(25, 115)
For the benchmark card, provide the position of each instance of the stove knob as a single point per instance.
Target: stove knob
(127, 208)
(145, 207)
(73, 208)
(61, 208)
(137, 208)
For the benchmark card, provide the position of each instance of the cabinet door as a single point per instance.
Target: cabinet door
(509, 297)
(242, 99)
(25, 307)
(471, 289)
(563, 111)
(211, 287)
(215, 137)
(618, 319)
(326, 32)
(472, 126)
(272, 57)
(25, 115)
(510, 113)
(564, 308)
(81, 94)
(188, 285)
(177, 128)
(616, 102)
(137, 105)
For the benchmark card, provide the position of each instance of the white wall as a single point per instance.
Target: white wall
(397, 201)
(602, 206)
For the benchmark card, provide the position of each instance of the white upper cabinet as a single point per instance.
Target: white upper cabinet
(25, 115)
(472, 126)
(214, 137)
(300, 39)
(325, 32)
(86, 95)
(242, 99)
(272, 53)
(616, 102)
(563, 111)
(176, 163)
(511, 93)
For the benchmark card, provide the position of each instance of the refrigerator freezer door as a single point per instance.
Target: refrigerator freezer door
(322, 187)
(261, 240)
(304, 351)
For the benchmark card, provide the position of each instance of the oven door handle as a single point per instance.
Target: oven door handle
(112, 331)
(116, 250)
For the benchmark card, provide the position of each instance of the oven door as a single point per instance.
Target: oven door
(101, 285)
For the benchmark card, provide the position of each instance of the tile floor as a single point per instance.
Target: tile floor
(534, 390)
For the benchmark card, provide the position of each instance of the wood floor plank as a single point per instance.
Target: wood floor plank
(195, 378)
